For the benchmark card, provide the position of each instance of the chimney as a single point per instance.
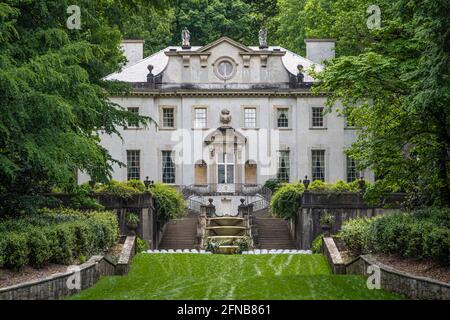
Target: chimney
(320, 50)
(133, 50)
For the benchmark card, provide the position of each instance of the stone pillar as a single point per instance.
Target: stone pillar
(208, 210)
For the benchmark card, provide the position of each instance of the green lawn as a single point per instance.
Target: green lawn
(200, 276)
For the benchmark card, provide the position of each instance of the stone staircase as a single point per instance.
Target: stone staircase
(273, 233)
(180, 233)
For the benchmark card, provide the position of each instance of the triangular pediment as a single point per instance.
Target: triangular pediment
(236, 44)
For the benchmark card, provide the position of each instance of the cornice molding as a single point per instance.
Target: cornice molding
(181, 93)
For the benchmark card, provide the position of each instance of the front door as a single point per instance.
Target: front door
(225, 172)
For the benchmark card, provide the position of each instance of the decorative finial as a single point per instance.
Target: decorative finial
(263, 38)
(300, 75)
(150, 76)
(185, 39)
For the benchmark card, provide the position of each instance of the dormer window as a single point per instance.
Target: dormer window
(225, 68)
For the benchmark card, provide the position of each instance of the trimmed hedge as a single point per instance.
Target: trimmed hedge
(423, 234)
(56, 235)
(285, 200)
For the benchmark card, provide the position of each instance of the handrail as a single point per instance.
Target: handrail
(259, 204)
(213, 189)
(194, 205)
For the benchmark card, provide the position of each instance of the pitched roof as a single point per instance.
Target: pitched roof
(138, 72)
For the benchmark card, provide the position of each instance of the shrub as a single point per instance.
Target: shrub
(244, 244)
(123, 190)
(419, 235)
(355, 234)
(66, 244)
(438, 216)
(169, 203)
(39, 248)
(316, 246)
(15, 250)
(327, 219)
(272, 184)
(82, 199)
(58, 235)
(390, 233)
(437, 244)
(286, 200)
(318, 185)
(340, 186)
(138, 185)
(2, 253)
(141, 245)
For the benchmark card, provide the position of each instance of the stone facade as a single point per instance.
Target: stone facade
(276, 122)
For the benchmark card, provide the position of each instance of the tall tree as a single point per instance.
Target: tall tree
(150, 21)
(398, 93)
(344, 20)
(53, 100)
(208, 20)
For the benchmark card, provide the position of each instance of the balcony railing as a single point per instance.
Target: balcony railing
(238, 189)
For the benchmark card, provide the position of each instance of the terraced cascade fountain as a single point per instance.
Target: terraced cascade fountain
(226, 232)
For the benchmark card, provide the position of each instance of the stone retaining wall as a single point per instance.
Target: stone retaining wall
(334, 258)
(414, 287)
(55, 286)
(343, 206)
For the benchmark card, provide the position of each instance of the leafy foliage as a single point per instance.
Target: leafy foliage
(422, 234)
(53, 99)
(272, 184)
(316, 246)
(397, 93)
(169, 203)
(141, 245)
(355, 234)
(286, 200)
(57, 235)
(208, 20)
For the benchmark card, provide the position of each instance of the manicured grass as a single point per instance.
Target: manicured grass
(198, 276)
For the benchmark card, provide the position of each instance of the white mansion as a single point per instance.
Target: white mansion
(227, 114)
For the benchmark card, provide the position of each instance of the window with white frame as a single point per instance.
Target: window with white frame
(133, 165)
(168, 167)
(133, 124)
(283, 118)
(200, 118)
(352, 171)
(168, 117)
(249, 117)
(283, 166)
(317, 117)
(318, 165)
